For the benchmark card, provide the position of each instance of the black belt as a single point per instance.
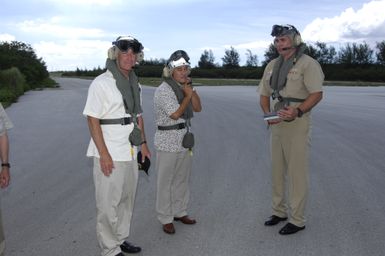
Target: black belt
(122, 121)
(172, 127)
(293, 99)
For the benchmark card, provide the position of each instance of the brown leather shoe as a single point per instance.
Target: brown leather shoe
(185, 220)
(169, 228)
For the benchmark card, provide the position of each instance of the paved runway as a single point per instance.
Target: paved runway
(49, 209)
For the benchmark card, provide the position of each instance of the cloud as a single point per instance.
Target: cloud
(257, 45)
(72, 54)
(7, 38)
(366, 24)
(62, 46)
(54, 29)
(84, 2)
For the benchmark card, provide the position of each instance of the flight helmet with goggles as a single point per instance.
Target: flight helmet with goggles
(177, 59)
(124, 43)
(287, 30)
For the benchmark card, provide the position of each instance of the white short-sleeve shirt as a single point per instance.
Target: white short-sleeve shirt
(104, 101)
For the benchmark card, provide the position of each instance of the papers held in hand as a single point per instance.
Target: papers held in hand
(270, 116)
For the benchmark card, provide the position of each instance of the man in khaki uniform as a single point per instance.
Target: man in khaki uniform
(294, 82)
(5, 176)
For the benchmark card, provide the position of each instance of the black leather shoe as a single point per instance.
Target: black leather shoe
(119, 254)
(126, 247)
(274, 220)
(290, 229)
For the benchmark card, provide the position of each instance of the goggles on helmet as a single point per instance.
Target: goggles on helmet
(178, 63)
(177, 59)
(282, 30)
(127, 42)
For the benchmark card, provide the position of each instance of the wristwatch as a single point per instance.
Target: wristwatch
(6, 165)
(300, 112)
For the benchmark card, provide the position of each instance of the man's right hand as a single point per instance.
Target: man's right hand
(106, 164)
(4, 177)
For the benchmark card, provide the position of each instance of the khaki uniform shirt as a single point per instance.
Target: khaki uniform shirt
(304, 78)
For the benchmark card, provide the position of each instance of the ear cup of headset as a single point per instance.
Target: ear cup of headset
(111, 53)
(166, 72)
(139, 56)
(297, 40)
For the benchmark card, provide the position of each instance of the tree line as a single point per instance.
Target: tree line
(20, 70)
(352, 62)
(350, 54)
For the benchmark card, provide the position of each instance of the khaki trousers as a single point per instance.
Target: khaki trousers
(115, 196)
(290, 142)
(173, 192)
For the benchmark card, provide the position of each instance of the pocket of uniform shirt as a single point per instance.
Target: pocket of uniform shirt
(294, 76)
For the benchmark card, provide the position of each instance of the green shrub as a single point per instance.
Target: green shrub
(13, 80)
(7, 96)
(12, 85)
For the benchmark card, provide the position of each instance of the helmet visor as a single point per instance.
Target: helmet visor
(125, 45)
(282, 30)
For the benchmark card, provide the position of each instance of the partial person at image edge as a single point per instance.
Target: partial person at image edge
(5, 176)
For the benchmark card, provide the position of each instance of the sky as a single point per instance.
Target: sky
(70, 34)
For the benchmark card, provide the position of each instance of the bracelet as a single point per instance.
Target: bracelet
(143, 142)
(6, 165)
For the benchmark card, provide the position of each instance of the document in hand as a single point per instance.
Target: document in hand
(270, 116)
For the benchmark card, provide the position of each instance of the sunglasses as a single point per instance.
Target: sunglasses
(125, 45)
(179, 54)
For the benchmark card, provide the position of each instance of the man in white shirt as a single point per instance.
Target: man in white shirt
(113, 111)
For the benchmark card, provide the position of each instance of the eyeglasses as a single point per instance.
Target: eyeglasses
(133, 44)
(179, 54)
(280, 30)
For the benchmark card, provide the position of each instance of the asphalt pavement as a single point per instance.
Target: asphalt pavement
(49, 208)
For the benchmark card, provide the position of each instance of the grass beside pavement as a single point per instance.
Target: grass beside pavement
(154, 81)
